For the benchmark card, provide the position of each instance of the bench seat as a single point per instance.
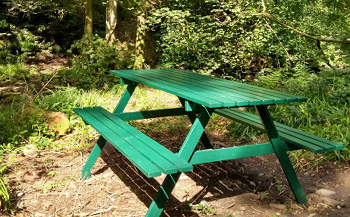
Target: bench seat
(150, 157)
(290, 135)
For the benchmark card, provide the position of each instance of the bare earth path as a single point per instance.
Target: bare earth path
(48, 184)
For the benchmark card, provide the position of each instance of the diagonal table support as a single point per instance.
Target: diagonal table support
(95, 153)
(192, 116)
(125, 98)
(186, 152)
(281, 149)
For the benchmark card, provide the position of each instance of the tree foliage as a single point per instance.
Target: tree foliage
(232, 38)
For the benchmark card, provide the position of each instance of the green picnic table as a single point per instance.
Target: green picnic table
(200, 96)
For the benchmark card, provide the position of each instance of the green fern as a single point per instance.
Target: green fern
(302, 70)
(272, 80)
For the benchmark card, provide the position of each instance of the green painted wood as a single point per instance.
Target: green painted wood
(95, 153)
(185, 153)
(195, 133)
(281, 149)
(125, 98)
(186, 93)
(214, 91)
(255, 122)
(218, 92)
(227, 97)
(185, 86)
(290, 135)
(204, 138)
(137, 143)
(164, 192)
(297, 137)
(258, 92)
(130, 116)
(139, 160)
(179, 163)
(230, 153)
(135, 139)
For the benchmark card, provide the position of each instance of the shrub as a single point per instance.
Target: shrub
(12, 72)
(92, 62)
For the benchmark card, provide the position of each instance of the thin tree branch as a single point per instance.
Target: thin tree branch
(317, 38)
(289, 57)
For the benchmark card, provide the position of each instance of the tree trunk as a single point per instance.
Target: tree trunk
(88, 19)
(140, 38)
(111, 20)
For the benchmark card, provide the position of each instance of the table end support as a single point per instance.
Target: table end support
(162, 197)
(281, 149)
(94, 154)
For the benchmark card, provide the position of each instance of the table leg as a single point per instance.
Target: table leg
(281, 151)
(195, 133)
(186, 153)
(163, 195)
(204, 138)
(96, 151)
(125, 98)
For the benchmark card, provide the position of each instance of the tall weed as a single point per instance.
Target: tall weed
(5, 196)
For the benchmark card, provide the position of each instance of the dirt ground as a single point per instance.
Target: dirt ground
(49, 184)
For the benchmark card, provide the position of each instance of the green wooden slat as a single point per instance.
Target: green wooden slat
(295, 136)
(250, 93)
(242, 93)
(129, 116)
(226, 96)
(307, 141)
(254, 121)
(228, 113)
(296, 139)
(230, 153)
(135, 140)
(232, 84)
(320, 140)
(182, 88)
(180, 164)
(170, 88)
(140, 161)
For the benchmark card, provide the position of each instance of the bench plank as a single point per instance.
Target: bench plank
(146, 154)
(167, 155)
(288, 134)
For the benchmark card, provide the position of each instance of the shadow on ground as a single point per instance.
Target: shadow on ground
(244, 187)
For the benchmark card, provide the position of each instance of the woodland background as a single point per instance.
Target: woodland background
(55, 55)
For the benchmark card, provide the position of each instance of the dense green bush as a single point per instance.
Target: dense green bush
(223, 38)
(92, 62)
(12, 72)
(17, 121)
(58, 22)
(233, 38)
